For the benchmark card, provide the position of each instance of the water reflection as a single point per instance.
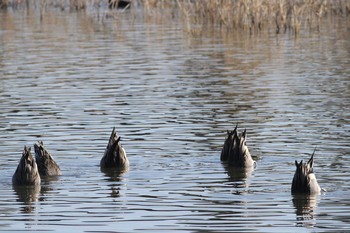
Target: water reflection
(48, 184)
(171, 101)
(115, 177)
(305, 207)
(238, 174)
(114, 174)
(28, 195)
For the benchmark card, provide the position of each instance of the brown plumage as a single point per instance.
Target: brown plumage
(46, 164)
(235, 151)
(114, 156)
(27, 171)
(304, 180)
(228, 144)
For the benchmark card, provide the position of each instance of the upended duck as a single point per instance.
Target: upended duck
(235, 150)
(27, 170)
(304, 180)
(114, 156)
(47, 166)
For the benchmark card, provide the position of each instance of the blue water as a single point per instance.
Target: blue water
(69, 79)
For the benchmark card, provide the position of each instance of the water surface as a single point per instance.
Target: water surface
(70, 78)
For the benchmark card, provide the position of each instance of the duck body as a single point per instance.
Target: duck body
(304, 180)
(229, 140)
(47, 166)
(114, 155)
(235, 151)
(27, 172)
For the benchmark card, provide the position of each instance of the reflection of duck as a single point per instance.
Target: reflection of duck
(239, 178)
(304, 205)
(238, 174)
(114, 177)
(27, 194)
(114, 156)
(304, 180)
(235, 151)
(27, 170)
(46, 164)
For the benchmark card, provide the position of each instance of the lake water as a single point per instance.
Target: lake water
(69, 79)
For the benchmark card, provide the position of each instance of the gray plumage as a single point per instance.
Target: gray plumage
(304, 180)
(114, 156)
(27, 170)
(228, 144)
(47, 166)
(235, 150)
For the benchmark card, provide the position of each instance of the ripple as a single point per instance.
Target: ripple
(172, 103)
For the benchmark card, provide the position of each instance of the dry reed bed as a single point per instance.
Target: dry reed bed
(255, 15)
(62, 4)
(245, 15)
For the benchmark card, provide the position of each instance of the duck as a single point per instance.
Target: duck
(304, 180)
(228, 144)
(27, 172)
(47, 166)
(114, 155)
(235, 151)
(239, 155)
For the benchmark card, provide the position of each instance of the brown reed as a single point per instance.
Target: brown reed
(256, 15)
(77, 4)
(231, 15)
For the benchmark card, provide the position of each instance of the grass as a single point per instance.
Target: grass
(251, 16)
(256, 15)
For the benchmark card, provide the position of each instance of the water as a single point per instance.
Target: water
(71, 78)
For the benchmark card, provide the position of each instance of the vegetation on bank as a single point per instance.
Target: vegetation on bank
(246, 15)
(255, 15)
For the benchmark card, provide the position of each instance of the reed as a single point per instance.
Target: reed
(230, 15)
(12, 3)
(72, 5)
(256, 15)
(77, 4)
(4, 4)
